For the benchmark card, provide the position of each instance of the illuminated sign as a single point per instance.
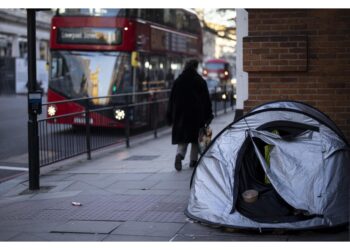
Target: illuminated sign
(98, 36)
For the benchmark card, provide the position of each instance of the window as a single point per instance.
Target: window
(193, 24)
(167, 17)
(23, 49)
(5, 48)
(43, 51)
(179, 19)
(56, 67)
(91, 12)
(215, 66)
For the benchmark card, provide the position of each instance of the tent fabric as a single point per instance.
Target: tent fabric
(302, 107)
(308, 172)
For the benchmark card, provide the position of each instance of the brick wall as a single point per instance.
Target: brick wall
(301, 55)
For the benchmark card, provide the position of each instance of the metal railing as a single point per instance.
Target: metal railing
(94, 127)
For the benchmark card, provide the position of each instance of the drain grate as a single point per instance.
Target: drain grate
(141, 158)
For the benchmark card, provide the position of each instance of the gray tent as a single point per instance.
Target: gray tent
(292, 154)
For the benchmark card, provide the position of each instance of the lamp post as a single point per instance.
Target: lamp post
(33, 139)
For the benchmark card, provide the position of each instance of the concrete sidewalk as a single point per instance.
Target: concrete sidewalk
(130, 194)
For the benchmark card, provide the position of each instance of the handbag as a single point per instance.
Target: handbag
(204, 138)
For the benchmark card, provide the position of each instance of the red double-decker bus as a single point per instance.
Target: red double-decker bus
(107, 52)
(217, 68)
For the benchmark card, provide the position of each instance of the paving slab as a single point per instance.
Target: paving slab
(199, 232)
(143, 191)
(126, 215)
(55, 195)
(7, 235)
(183, 175)
(198, 229)
(31, 226)
(54, 215)
(86, 177)
(136, 238)
(58, 237)
(103, 227)
(5, 201)
(148, 228)
(16, 190)
(168, 207)
(177, 196)
(102, 183)
(82, 186)
(55, 176)
(152, 216)
(202, 238)
(122, 185)
(57, 186)
(227, 237)
(177, 185)
(132, 177)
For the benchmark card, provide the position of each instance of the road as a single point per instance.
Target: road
(13, 129)
(13, 134)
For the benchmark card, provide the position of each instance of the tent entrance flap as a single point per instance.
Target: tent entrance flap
(270, 207)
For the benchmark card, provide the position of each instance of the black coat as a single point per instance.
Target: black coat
(189, 107)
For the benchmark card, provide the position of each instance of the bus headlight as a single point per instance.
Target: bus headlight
(119, 114)
(51, 110)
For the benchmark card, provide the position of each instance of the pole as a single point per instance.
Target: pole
(33, 138)
(88, 129)
(127, 124)
(225, 92)
(154, 115)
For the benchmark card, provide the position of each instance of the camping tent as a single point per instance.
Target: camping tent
(292, 154)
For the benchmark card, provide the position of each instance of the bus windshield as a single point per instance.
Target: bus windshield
(90, 74)
(215, 66)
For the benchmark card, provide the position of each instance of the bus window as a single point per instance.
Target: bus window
(54, 68)
(179, 19)
(91, 12)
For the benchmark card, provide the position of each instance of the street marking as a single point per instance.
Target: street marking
(13, 168)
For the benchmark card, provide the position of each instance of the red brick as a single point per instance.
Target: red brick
(318, 54)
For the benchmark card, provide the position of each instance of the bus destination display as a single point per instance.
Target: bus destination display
(99, 36)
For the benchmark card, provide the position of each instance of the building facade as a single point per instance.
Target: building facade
(301, 55)
(13, 48)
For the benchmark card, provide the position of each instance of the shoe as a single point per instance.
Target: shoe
(178, 163)
(193, 164)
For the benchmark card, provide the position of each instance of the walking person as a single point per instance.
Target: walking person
(189, 109)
